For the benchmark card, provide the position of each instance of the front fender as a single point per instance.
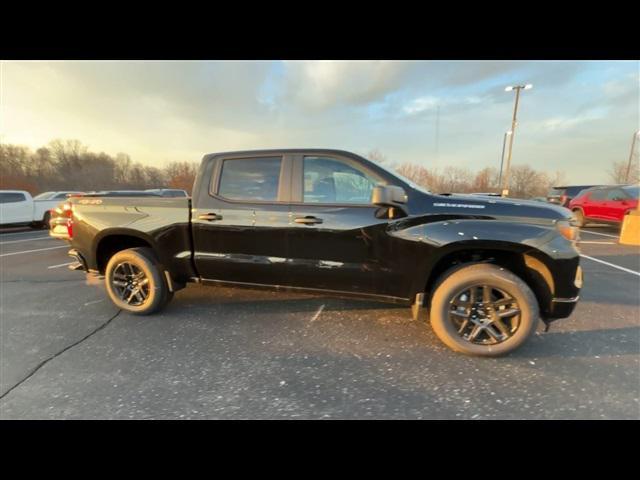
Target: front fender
(546, 259)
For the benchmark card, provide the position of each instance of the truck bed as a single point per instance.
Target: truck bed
(162, 223)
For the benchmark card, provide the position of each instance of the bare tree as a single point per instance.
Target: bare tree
(181, 175)
(618, 172)
(380, 158)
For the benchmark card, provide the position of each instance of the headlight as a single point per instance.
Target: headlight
(567, 230)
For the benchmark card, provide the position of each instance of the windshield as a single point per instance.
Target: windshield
(44, 196)
(403, 178)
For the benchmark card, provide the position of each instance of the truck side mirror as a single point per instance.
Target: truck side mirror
(390, 196)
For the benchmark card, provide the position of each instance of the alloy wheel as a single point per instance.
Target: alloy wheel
(484, 315)
(130, 284)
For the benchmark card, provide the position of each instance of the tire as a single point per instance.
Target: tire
(137, 265)
(580, 222)
(505, 287)
(45, 221)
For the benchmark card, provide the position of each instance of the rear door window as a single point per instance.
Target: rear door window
(598, 195)
(250, 179)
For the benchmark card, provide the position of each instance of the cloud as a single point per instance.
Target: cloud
(159, 111)
(420, 104)
(318, 85)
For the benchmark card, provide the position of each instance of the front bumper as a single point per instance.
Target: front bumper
(563, 307)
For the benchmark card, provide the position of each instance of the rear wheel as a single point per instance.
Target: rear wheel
(45, 220)
(135, 282)
(483, 310)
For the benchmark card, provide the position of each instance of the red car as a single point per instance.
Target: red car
(604, 204)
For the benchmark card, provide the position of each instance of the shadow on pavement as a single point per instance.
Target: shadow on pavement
(589, 343)
(284, 305)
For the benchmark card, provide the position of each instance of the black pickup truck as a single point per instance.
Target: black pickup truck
(331, 222)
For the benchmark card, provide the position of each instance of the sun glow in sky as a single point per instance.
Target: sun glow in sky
(578, 118)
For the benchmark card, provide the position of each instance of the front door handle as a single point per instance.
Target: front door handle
(210, 216)
(308, 220)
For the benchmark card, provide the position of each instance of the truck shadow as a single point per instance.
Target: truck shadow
(289, 305)
(588, 343)
(566, 344)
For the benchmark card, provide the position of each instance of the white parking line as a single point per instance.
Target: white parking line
(18, 233)
(61, 265)
(598, 243)
(315, 317)
(30, 251)
(28, 240)
(598, 233)
(611, 265)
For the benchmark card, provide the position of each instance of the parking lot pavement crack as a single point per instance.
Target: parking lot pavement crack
(57, 354)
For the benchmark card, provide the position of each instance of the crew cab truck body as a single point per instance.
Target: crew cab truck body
(332, 222)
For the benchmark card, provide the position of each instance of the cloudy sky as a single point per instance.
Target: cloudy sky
(578, 118)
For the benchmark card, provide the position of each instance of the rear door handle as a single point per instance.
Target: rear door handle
(308, 220)
(210, 216)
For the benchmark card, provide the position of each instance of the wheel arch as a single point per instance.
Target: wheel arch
(109, 242)
(530, 264)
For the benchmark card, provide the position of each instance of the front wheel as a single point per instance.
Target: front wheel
(483, 310)
(135, 282)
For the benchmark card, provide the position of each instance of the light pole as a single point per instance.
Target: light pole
(633, 147)
(504, 143)
(517, 88)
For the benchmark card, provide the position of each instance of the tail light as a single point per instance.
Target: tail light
(67, 211)
(70, 228)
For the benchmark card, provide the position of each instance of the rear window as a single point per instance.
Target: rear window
(573, 191)
(12, 197)
(250, 179)
(633, 192)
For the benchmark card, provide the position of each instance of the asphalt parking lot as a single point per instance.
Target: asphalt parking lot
(67, 353)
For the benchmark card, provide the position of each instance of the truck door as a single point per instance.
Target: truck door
(241, 219)
(334, 239)
(15, 207)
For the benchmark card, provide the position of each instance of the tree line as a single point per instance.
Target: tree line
(525, 182)
(69, 165)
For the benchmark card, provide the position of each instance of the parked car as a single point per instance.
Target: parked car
(332, 222)
(604, 204)
(169, 192)
(18, 207)
(563, 195)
